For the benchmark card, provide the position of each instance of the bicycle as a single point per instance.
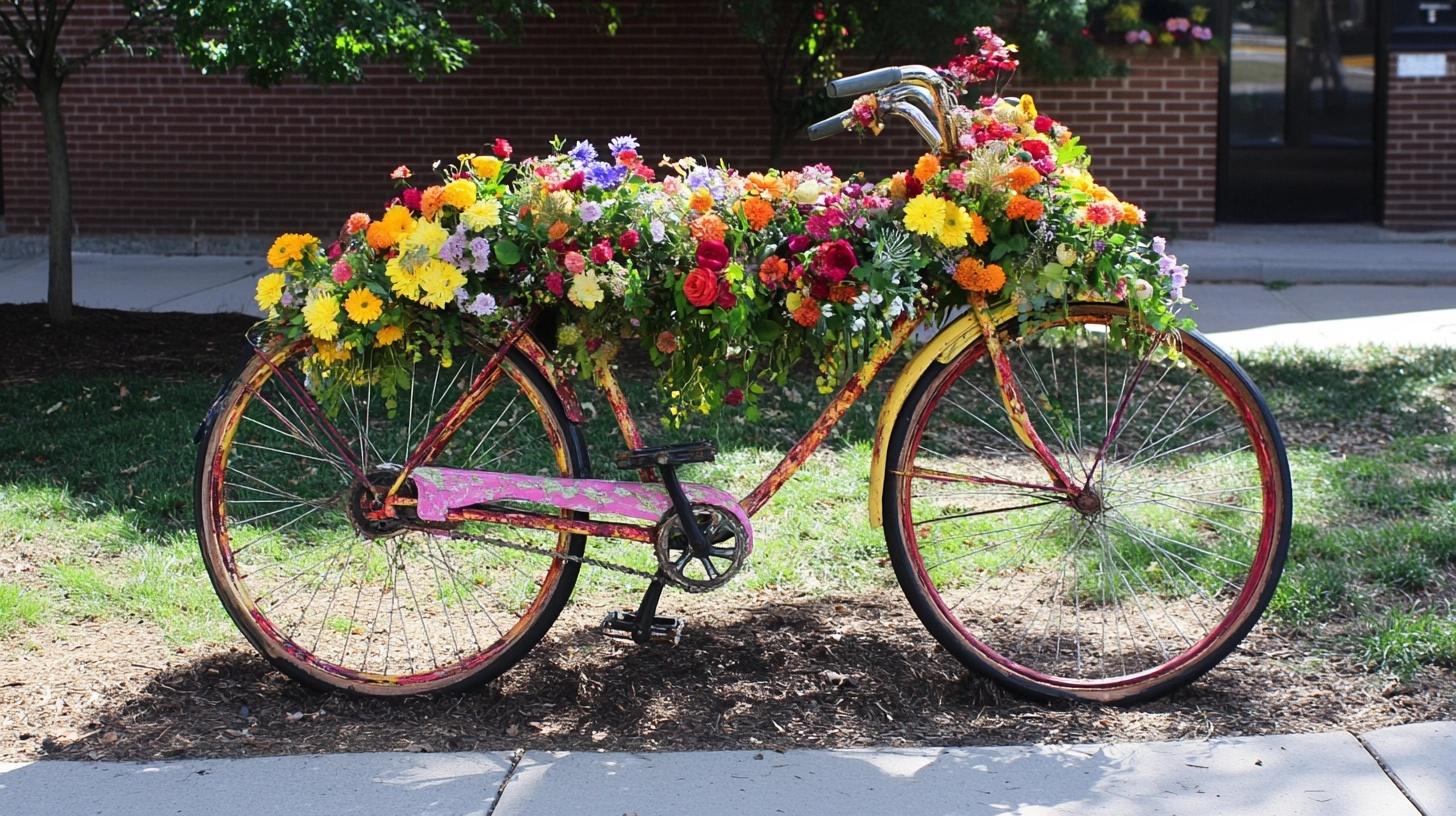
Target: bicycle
(1070, 513)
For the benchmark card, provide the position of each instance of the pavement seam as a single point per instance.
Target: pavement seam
(500, 791)
(1389, 773)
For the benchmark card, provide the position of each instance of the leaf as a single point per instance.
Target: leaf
(507, 252)
(999, 251)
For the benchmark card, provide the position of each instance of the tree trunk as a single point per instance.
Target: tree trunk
(58, 163)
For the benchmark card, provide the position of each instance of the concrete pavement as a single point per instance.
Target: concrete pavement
(1329, 774)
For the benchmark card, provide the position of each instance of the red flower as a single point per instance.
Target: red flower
(772, 271)
(712, 255)
(401, 173)
(644, 172)
(628, 240)
(335, 250)
(573, 184)
(913, 186)
(700, 287)
(733, 397)
(554, 284)
(819, 290)
(1043, 124)
(1037, 148)
(627, 157)
(834, 260)
(726, 298)
(411, 198)
(799, 243)
(601, 252)
(501, 148)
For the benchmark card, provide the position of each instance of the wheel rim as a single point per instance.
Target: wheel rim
(1166, 562)
(384, 609)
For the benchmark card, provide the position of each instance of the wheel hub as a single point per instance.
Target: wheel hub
(363, 501)
(1088, 502)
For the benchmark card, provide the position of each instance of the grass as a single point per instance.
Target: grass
(95, 488)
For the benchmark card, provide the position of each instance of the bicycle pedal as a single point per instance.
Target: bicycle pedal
(660, 455)
(623, 626)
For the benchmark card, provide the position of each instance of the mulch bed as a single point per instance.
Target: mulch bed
(753, 672)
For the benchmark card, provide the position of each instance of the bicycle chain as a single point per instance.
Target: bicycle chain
(557, 554)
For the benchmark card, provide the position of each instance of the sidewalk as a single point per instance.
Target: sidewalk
(1401, 771)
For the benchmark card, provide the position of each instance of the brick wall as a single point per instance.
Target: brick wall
(1420, 151)
(159, 149)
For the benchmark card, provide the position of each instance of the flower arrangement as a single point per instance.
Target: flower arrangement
(728, 279)
(1127, 24)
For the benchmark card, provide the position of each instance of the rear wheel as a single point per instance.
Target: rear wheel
(1147, 580)
(337, 600)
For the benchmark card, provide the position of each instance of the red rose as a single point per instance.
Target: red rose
(834, 260)
(799, 243)
(601, 252)
(700, 287)
(628, 240)
(335, 250)
(733, 397)
(1043, 124)
(712, 255)
(1037, 148)
(913, 186)
(410, 198)
(726, 298)
(819, 290)
(501, 148)
(573, 184)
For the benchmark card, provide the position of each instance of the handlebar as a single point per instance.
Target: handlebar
(862, 83)
(836, 124)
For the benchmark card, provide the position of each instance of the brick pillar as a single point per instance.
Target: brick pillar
(1420, 150)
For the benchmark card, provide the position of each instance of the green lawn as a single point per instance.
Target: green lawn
(95, 496)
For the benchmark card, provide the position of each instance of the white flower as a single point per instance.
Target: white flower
(858, 325)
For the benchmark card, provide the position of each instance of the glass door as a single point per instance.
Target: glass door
(1297, 129)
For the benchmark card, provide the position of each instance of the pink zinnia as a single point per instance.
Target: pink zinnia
(342, 272)
(554, 284)
(1102, 213)
(956, 180)
(575, 262)
(410, 198)
(502, 148)
(601, 251)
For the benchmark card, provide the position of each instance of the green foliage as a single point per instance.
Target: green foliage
(330, 41)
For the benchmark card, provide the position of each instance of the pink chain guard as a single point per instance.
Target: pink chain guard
(444, 489)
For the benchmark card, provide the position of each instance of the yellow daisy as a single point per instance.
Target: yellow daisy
(320, 314)
(388, 335)
(402, 281)
(460, 193)
(485, 167)
(290, 246)
(270, 291)
(482, 214)
(925, 214)
(363, 306)
(438, 281)
(586, 292)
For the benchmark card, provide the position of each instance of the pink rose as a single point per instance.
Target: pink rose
(575, 262)
(799, 243)
(712, 255)
(834, 260)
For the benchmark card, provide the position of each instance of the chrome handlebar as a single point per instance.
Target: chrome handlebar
(913, 92)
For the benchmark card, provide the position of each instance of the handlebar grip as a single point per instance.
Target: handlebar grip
(862, 83)
(836, 124)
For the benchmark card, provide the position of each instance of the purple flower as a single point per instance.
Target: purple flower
(605, 176)
(621, 143)
(480, 251)
(1099, 245)
(706, 177)
(1179, 277)
(657, 231)
(1160, 244)
(1167, 263)
(286, 300)
(453, 250)
(583, 151)
(484, 304)
(590, 211)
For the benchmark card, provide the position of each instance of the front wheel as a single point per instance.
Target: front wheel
(1148, 580)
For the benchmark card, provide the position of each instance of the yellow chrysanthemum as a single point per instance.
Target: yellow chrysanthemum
(423, 243)
(363, 306)
(482, 214)
(460, 193)
(289, 246)
(925, 214)
(320, 314)
(956, 227)
(485, 167)
(438, 281)
(388, 335)
(402, 281)
(331, 352)
(270, 291)
(585, 291)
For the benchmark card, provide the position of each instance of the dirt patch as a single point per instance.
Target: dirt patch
(106, 341)
(784, 672)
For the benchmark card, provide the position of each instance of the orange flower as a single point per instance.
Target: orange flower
(1022, 177)
(708, 228)
(380, 236)
(843, 293)
(557, 231)
(807, 315)
(927, 167)
(357, 222)
(702, 200)
(979, 233)
(974, 276)
(897, 186)
(758, 212)
(773, 270)
(768, 187)
(1132, 214)
(1022, 207)
(431, 200)
(1100, 193)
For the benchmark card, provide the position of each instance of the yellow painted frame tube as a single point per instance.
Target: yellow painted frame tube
(942, 348)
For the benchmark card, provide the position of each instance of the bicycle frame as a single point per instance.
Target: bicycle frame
(950, 340)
